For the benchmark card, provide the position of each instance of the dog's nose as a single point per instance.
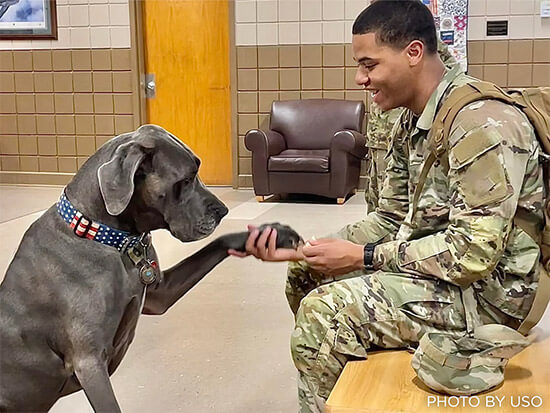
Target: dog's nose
(219, 210)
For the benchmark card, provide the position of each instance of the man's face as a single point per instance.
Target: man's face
(382, 70)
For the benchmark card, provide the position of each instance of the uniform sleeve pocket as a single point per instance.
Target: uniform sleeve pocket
(478, 166)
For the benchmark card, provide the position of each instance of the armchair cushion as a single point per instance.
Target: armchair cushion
(300, 160)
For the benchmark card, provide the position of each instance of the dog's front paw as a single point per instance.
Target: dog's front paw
(286, 236)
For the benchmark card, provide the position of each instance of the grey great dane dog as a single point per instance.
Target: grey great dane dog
(69, 305)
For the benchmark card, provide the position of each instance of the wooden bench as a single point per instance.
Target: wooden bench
(386, 382)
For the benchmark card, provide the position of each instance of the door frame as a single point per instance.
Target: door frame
(137, 56)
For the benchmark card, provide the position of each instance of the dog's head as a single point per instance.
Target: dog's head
(153, 177)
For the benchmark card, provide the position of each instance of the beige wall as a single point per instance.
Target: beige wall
(61, 99)
(299, 49)
(280, 22)
(268, 73)
(522, 58)
(511, 63)
(84, 24)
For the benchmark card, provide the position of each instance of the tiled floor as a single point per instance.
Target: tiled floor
(224, 346)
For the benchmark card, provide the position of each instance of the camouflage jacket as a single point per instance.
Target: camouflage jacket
(463, 232)
(379, 128)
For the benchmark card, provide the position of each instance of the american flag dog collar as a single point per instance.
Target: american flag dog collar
(134, 246)
(84, 227)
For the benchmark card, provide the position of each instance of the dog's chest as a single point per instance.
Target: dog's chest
(135, 300)
(125, 331)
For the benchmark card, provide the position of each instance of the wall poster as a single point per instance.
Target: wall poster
(451, 22)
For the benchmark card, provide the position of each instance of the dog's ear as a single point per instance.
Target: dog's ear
(116, 177)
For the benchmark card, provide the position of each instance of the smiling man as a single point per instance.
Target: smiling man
(378, 134)
(458, 262)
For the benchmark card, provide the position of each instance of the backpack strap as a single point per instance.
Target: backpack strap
(441, 127)
(542, 297)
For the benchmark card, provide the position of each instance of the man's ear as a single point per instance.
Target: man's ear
(415, 52)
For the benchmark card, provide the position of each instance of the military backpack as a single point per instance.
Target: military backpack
(535, 104)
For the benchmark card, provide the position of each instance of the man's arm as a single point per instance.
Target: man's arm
(344, 253)
(492, 154)
(383, 223)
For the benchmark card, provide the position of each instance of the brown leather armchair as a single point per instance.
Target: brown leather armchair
(313, 146)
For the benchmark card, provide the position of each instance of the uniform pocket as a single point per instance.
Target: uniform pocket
(478, 164)
(436, 313)
(403, 289)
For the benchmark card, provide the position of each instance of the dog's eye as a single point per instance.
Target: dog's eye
(177, 188)
(180, 185)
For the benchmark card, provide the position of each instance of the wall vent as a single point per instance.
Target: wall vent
(497, 28)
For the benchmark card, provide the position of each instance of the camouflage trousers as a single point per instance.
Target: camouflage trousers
(340, 321)
(339, 318)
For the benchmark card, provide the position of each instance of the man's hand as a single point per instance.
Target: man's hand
(333, 256)
(263, 246)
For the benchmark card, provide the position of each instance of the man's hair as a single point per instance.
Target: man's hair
(396, 23)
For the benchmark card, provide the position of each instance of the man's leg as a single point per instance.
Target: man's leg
(338, 322)
(301, 279)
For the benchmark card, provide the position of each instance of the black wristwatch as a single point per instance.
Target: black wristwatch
(368, 255)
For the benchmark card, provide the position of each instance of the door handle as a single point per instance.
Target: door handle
(150, 86)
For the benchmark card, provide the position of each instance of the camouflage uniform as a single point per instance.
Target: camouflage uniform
(379, 128)
(458, 263)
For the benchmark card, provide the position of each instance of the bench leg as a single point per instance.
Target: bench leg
(340, 201)
(260, 198)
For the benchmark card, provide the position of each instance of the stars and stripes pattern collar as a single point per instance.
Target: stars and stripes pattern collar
(84, 227)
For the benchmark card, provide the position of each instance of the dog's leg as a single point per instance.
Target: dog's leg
(185, 275)
(92, 374)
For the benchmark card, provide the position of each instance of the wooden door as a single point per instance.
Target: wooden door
(187, 49)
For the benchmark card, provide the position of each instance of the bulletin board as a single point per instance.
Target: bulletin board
(451, 22)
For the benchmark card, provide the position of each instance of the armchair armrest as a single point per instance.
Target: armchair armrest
(263, 145)
(266, 143)
(349, 141)
(347, 149)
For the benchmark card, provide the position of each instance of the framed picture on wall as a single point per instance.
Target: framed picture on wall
(28, 19)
